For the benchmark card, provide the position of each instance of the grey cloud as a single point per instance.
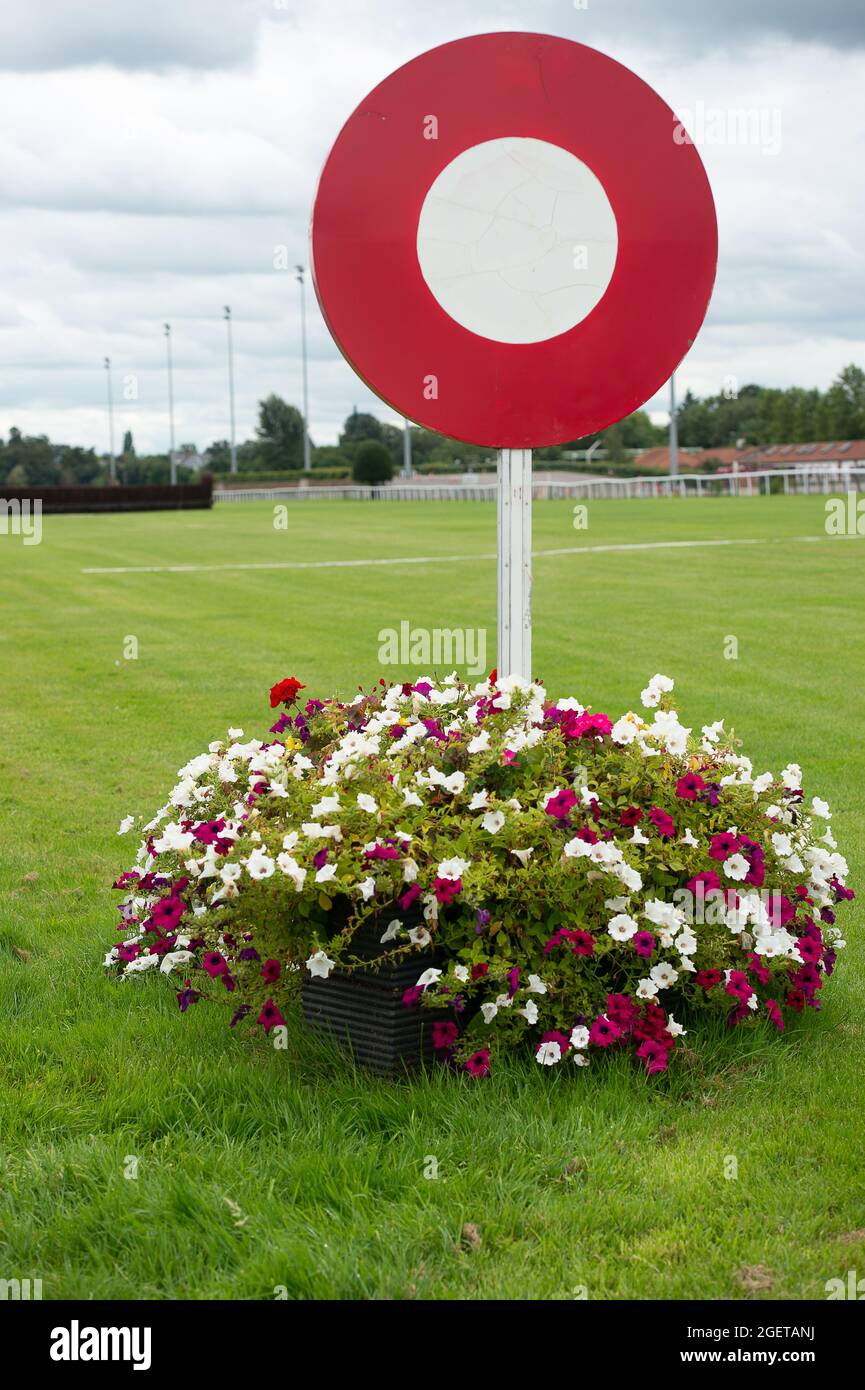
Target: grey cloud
(40, 35)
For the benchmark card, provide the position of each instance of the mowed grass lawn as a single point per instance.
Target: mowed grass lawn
(259, 1169)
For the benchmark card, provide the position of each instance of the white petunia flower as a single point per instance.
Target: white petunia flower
(326, 873)
(647, 989)
(658, 686)
(480, 743)
(461, 973)
(737, 867)
(530, 1012)
(410, 798)
(524, 855)
(366, 887)
(391, 931)
(419, 936)
(536, 985)
(663, 975)
(320, 965)
(489, 1011)
(326, 806)
(367, 802)
(673, 1027)
(580, 1036)
(452, 868)
(479, 800)
(140, 964)
(622, 927)
(260, 865)
(290, 867)
(172, 958)
(493, 821)
(126, 825)
(548, 1054)
(821, 808)
(429, 977)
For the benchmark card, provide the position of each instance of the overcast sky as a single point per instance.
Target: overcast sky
(154, 157)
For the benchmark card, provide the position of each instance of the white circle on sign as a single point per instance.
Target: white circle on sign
(517, 240)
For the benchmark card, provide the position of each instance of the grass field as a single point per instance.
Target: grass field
(258, 1169)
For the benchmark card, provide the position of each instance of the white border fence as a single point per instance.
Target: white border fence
(765, 482)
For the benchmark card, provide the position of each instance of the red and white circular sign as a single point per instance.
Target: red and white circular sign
(508, 243)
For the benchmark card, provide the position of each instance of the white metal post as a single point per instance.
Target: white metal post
(232, 443)
(172, 462)
(514, 648)
(307, 462)
(112, 468)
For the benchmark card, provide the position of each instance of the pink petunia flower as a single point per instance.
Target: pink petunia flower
(604, 1032)
(479, 1063)
(664, 824)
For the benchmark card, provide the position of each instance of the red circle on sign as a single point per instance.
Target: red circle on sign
(379, 307)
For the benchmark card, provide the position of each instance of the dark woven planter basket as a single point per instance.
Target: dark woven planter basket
(364, 1009)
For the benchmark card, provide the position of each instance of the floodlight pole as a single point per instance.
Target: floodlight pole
(112, 468)
(232, 444)
(307, 463)
(514, 563)
(674, 430)
(406, 448)
(172, 463)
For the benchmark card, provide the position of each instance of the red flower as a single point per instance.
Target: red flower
(561, 804)
(703, 883)
(444, 1034)
(621, 1009)
(664, 824)
(215, 964)
(774, 1013)
(270, 1017)
(708, 979)
(688, 787)
(479, 1062)
(478, 971)
(446, 889)
(284, 692)
(654, 1054)
(723, 846)
(271, 970)
(632, 815)
(604, 1032)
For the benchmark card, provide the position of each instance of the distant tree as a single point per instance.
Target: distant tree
(280, 432)
(372, 462)
(219, 454)
(360, 426)
(392, 438)
(128, 446)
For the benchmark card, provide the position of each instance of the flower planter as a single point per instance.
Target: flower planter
(365, 1010)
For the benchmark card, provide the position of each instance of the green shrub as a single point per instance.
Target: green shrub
(372, 463)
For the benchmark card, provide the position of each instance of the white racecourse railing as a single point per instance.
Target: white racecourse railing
(765, 482)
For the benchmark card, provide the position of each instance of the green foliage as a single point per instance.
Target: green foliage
(280, 430)
(360, 426)
(372, 463)
(762, 415)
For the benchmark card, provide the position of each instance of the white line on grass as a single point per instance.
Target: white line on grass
(402, 559)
